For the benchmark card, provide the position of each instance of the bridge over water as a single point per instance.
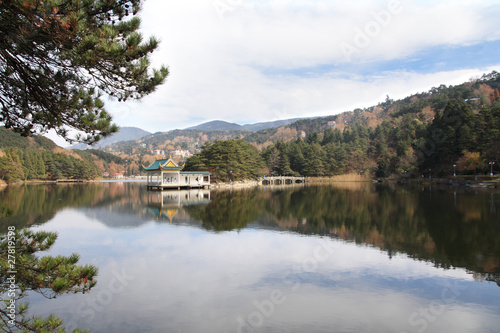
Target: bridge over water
(282, 180)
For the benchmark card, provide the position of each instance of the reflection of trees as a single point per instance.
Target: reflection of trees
(426, 225)
(449, 230)
(24, 206)
(229, 210)
(33, 205)
(379, 217)
(465, 236)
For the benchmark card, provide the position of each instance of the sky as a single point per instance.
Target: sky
(248, 61)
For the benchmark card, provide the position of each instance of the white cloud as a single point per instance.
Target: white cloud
(250, 65)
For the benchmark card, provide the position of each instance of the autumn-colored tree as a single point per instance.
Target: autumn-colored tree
(147, 160)
(470, 162)
(115, 168)
(59, 57)
(487, 92)
(496, 95)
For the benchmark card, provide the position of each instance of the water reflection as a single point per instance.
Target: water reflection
(351, 258)
(449, 227)
(165, 205)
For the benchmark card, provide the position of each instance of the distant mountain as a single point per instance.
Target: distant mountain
(269, 124)
(217, 125)
(220, 125)
(124, 134)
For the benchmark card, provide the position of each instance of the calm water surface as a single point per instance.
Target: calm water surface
(346, 258)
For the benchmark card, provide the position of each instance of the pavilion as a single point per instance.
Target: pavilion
(166, 174)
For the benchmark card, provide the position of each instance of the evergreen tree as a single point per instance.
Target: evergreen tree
(312, 138)
(228, 160)
(296, 156)
(337, 136)
(284, 166)
(335, 160)
(383, 167)
(196, 162)
(10, 167)
(328, 137)
(29, 172)
(465, 140)
(58, 58)
(49, 276)
(314, 156)
(39, 167)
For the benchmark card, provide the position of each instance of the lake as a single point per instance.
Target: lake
(351, 257)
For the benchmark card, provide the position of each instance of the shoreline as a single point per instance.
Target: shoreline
(466, 181)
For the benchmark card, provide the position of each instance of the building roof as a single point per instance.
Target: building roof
(195, 173)
(170, 165)
(164, 165)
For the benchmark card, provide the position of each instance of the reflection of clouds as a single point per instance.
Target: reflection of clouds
(192, 280)
(69, 219)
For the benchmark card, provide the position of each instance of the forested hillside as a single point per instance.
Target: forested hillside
(40, 158)
(446, 129)
(190, 139)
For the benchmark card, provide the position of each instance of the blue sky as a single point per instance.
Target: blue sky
(248, 61)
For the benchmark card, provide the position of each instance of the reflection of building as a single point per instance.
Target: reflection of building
(166, 174)
(167, 203)
(179, 198)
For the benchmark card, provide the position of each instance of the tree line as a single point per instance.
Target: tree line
(458, 139)
(40, 158)
(458, 136)
(18, 164)
(229, 160)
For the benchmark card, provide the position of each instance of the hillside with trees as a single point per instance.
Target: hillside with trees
(229, 160)
(446, 129)
(39, 158)
(445, 126)
(188, 139)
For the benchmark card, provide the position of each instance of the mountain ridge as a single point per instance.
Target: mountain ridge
(216, 125)
(126, 133)
(222, 125)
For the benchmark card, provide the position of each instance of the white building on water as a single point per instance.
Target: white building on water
(166, 174)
